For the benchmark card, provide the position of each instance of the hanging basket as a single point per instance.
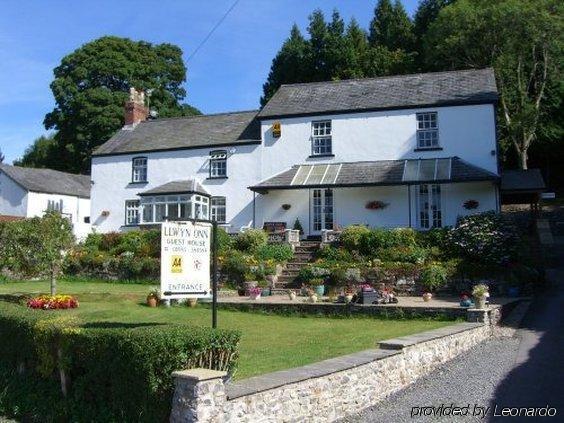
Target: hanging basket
(471, 204)
(376, 205)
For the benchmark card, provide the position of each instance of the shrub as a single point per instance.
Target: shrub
(386, 238)
(341, 255)
(486, 238)
(433, 276)
(277, 252)
(338, 277)
(352, 236)
(410, 254)
(251, 240)
(224, 241)
(235, 267)
(104, 362)
(435, 237)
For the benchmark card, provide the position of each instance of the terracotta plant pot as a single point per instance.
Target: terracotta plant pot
(427, 296)
(192, 302)
(152, 301)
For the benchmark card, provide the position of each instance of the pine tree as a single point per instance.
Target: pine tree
(288, 66)
(317, 46)
(391, 27)
(356, 52)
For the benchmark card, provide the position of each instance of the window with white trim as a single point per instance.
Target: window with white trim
(218, 209)
(132, 212)
(321, 143)
(139, 169)
(427, 130)
(174, 207)
(54, 205)
(218, 164)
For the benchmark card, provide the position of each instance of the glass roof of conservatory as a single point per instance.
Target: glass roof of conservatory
(427, 170)
(322, 174)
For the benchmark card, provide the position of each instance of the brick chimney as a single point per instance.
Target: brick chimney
(135, 110)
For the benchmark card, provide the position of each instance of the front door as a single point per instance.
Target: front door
(429, 206)
(322, 210)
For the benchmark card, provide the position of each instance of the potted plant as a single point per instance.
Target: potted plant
(192, 302)
(318, 285)
(480, 293)
(311, 296)
(427, 296)
(291, 294)
(254, 293)
(153, 297)
(250, 282)
(349, 295)
(265, 288)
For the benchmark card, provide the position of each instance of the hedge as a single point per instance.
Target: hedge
(112, 371)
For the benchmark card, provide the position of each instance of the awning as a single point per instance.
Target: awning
(522, 181)
(374, 173)
(189, 186)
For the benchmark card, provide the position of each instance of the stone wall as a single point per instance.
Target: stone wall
(323, 391)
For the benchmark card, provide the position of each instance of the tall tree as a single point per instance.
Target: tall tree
(522, 39)
(356, 52)
(43, 152)
(91, 86)
(391, 27)
(317, 48)
(287, 66)
(426, 13)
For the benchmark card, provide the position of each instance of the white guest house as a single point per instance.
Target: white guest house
(27, 192)
(402, 151)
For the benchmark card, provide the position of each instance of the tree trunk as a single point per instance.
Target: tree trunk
(53, 282)
(523, 156)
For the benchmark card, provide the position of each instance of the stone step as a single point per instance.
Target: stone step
(290, 272)
(283, 280)
(296, 265)
(306, 248)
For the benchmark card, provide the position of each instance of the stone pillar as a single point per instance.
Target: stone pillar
(199, 394)
(292, 237)
(478, 315)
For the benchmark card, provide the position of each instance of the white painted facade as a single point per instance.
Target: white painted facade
(19, 202)
(466, 131)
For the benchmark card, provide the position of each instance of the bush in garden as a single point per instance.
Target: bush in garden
(104, 363)
(338, 277)
(235, 267)
(224, 241)
(386, 238)
(395, 271)
(435, 237)
(251, 240)
(410, 254)
(352, 236)
(486, 237)
(342, 255)
(276, 252)
(433, 276)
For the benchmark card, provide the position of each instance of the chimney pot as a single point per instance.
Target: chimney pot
(135, 110)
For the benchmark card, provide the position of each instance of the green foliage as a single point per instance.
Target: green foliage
(433, 276)
(333, 254)
(486, 238)
(42, 153)
(386, 238)
(104, 362)
(391, 27)
(251, 240)
(410, 254)
(224, 241)
(90, 88)
(298, 226)
(37, 246)
(277, 252)
(352, 236)
(235, 267)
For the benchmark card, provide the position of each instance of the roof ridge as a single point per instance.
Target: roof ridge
(200, 116)
(386, 77)
(35, 169)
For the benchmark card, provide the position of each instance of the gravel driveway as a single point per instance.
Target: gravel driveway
(470, 379)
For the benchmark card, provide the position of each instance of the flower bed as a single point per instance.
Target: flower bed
(53, 302)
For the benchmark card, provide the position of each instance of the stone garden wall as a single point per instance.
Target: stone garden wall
(323, 391)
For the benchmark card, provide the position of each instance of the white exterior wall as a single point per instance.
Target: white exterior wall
(13, 198)
(464, 131)
(75, 208)
(350, 205)
(113, 186)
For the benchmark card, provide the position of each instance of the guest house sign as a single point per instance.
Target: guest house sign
(185, 260)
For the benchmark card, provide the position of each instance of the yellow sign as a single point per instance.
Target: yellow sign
(276, 130)
(176, 264)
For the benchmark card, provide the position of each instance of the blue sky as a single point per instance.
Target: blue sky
(226, 74)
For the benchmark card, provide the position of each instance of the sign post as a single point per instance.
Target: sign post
(186, 248)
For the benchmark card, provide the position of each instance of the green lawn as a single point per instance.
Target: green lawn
(269, 342)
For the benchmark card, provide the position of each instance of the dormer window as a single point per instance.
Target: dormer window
(218, 164)
(139, 169)
(321, 144)
(427, 130)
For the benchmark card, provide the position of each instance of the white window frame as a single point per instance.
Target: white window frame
(218, 209)
(321, 138)
(132, 209)
(431, 216)
(218, 164)
(54, 205)
(173, 207)
(139, 169)
(427, 130)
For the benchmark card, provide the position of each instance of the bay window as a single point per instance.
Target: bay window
(157, 209)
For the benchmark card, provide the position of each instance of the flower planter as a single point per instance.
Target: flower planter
(254, 297)
(348, 298)
(480, 302)
(248, 285)
(266, 292)
(152, 301)
(291, 295)
(192, 302)
(427, 296)
(312, 298)
(320, 290)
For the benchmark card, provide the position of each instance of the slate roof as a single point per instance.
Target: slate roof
(216, 130)
(177, 187)
(392, 92)
(382, 172)
(522, 180)
(48, 180)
